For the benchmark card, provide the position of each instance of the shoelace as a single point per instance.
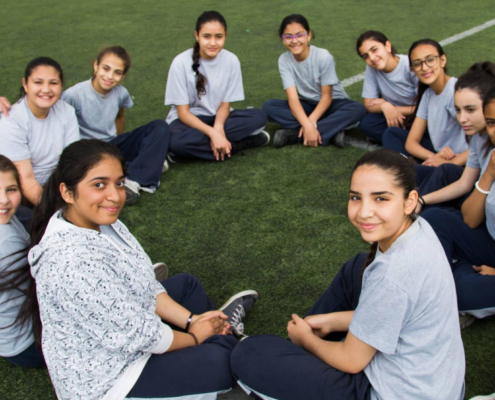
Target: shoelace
(237, 315)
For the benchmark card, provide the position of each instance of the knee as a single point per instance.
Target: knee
(270, 107)
(249, 353)
(259, 117)
(358, 109)
(158, 126)
(435, 216)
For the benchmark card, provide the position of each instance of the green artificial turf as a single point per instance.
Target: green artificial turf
(273, 220)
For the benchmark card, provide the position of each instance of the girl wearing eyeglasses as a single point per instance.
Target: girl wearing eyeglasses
(317, 109)
(445, 141)
(201, 84)
(390, 87)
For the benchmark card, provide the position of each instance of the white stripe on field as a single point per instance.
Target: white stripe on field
(359, 77)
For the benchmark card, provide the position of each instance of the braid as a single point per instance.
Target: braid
(371, 256)
(200, 78)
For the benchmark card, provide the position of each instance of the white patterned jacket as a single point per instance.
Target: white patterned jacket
(97, 305)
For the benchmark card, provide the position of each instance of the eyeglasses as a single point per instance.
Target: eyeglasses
(430, 61)
(298, 37)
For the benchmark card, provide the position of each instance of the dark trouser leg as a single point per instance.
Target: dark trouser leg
(144, 149)
(440, 177)
(395, 139)
(243, 123)
(278, 111)
(373, 126)
(194, 370)
(274, 367)
(341, 114)
(29, 358)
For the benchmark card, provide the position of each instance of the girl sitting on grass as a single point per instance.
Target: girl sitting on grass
(201, 84)
(449, 183)
(100, 104)
(390, 87)
(110, 329)
(19, 315)
(388, 331)
(317, 109)
(39, 126)
(435, 113)
(468, 235)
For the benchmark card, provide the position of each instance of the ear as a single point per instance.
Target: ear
(95, 66)
(67, 195)
(196, 36)
(310, 35)
(443, 61)
(388, 46)
(411, 202)
(24, 85)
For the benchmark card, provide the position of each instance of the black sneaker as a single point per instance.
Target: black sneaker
(338, 140)
(236, 308)
(161, 271)
(284, 137)
(250, 142)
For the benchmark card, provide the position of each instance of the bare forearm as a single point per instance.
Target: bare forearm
(194, 122)
(223, 113)
(298, 112)
(31, 190)
(473, 209)
(460, 159)
(405, 110)
(119, 124)
(170, 311)
(321, 108)
(181, 341)
(454, 190)
(418, 151)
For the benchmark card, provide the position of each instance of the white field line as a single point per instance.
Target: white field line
(361, 144)
(359, 77)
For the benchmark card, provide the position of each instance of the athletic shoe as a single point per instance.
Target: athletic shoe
(161, 271)
(487, 397)
(466, 320)
(338, 140)
(131, 191)
(284, 137)
(171, 158)
(165, 167)
(250, 142)
(236, 308)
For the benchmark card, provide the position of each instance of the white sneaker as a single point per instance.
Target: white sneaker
(465, 320)
(161, 271)
(165, 167)
(131, 191)
(487, 397)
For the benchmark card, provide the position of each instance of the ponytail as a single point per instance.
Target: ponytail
(371, 256)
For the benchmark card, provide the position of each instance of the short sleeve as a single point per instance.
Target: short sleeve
(125, 100)
(473, 158)
(423, 107)
(287, 78)
(72, 133)
(380, 315)
(13, 252)
(70, 97)
(327, 70)
(14, 140)
(176, 91)
(235, 91)
(370, 85)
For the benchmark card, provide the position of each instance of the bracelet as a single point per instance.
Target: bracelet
(194, 337)
(189, 322)
(421, 201)
(481, 190)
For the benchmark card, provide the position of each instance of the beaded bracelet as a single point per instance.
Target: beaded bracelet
(189, 322)
(481, 190)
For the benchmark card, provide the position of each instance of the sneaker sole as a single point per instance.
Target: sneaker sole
(238, 295)
(267, 135)
(161, 271)
(487, 397)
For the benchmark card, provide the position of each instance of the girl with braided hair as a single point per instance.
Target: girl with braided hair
(201, 84)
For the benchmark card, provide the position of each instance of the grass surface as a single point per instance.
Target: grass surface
(271, 219)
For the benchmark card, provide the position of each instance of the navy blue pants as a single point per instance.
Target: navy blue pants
(187, 142)
(373, 126)
(193, 370)
(32, 357)
(341, 114)
(464, 248)
(395, 139)
(438, 178)
(144, 149)
(274, 367)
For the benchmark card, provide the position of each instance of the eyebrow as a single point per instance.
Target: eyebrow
(116, 69)
(105, 178)
(429, 55)
(373, 193)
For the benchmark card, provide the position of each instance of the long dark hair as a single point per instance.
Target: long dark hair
(117, 51)
(37, 62)
(400, 167)
(373, 35)
(489, 98)
(207, 16)
(16, 278)
(75, 162)
(298, 19)
(422, 86)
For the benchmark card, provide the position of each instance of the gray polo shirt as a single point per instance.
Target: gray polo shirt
(490, 201)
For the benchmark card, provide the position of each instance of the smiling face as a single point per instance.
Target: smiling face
(426, 53)
(10, 196)
(298, 44)
(108, 74)
(43, 89)
(377, 207)
(489, 112)
(378, 55)
(211, 38)
(469, 108)
(100, 196)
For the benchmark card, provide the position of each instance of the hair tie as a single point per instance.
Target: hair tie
(195, 67)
